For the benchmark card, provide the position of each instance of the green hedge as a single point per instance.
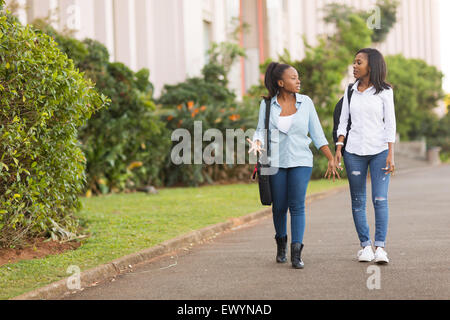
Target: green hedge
(43, 100)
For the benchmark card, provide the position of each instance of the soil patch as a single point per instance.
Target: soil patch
(35, 249)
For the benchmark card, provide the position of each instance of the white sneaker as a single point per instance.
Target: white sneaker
(366, 254)
(381, 256)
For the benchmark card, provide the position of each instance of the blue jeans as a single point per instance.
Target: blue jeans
(288, 187)
(357, 167)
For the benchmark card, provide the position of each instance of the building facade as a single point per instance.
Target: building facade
(171, 37)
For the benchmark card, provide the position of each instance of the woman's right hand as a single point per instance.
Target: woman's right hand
(255, 146)
(338, 159)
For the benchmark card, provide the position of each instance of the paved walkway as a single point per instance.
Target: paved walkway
(241, 264)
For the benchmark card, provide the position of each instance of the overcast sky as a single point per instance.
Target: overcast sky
(445, 42)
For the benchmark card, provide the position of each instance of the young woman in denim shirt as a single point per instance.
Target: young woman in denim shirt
(370, 144)
(292, 117)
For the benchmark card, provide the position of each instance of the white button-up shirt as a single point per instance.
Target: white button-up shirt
(373, 121)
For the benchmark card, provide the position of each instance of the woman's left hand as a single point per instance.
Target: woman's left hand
(332, 170)
(390, 164)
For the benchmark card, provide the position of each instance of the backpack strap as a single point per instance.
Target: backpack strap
(349, 99)
(350, 92)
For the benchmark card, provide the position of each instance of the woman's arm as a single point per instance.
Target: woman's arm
(343, 120)
(342, 129)
(389, 115)
(320, 141)
(390, 128)
(338, 155)
(257, 143)
(390, 162)
(260, 129)
(315, 128)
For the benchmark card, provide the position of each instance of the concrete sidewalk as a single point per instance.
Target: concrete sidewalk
(240, 264)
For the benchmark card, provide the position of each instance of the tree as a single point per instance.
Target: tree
(381, 19)
(126, 144)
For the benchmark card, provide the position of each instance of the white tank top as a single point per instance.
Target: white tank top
(284, 123)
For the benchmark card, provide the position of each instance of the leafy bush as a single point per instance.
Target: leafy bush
(417, 91)
(438, 134)
(206, 99)
(44, 100)
(126, 144)
(218, 117)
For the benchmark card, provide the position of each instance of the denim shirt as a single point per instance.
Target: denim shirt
(291, 149)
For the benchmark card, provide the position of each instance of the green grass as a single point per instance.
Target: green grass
(445, 157)
(125, 223)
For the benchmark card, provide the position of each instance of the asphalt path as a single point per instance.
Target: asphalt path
(240, 264)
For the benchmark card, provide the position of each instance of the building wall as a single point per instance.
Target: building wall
(416, 33)
(170, 37)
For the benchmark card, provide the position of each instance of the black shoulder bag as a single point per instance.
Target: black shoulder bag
(263, 179)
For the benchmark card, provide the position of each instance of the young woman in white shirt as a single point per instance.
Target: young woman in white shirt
(370, 144)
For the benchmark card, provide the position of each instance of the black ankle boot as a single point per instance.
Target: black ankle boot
(281, 249)
(296, 255)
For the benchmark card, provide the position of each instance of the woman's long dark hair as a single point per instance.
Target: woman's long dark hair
(274, 73)
(378, 69)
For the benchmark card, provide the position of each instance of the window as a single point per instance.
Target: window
(207, 38)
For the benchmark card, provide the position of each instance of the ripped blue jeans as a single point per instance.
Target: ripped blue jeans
(357, 167)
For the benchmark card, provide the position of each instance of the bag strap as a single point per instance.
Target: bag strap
(350, 92)
(268, 101)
